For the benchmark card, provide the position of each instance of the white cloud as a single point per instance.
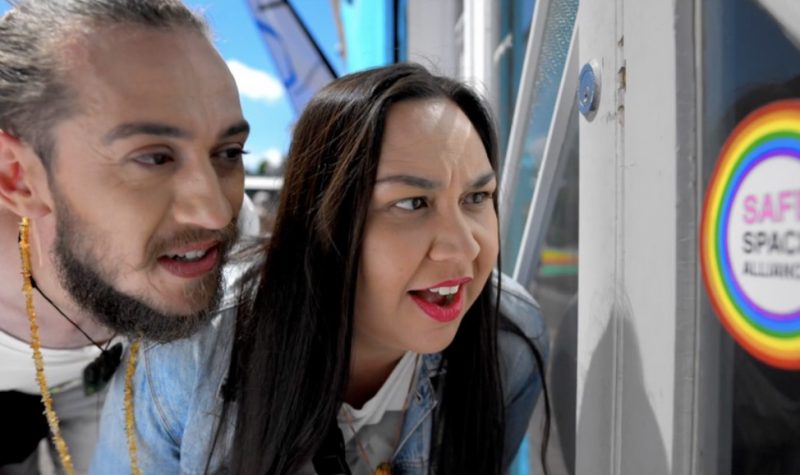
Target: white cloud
(274, 157)
(252, 162)
(255, 84)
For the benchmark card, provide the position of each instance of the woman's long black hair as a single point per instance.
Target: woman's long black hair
(292, 353)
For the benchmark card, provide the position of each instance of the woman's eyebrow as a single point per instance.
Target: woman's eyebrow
(482, 180)
(410, 180)
(426, 184)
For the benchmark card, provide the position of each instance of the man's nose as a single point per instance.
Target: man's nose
(200, 198)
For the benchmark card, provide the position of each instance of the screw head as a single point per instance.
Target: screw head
(589, 89)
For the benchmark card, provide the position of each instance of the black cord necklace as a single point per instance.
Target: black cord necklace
(99, 372)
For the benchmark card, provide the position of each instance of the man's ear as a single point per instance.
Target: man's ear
(20, 173)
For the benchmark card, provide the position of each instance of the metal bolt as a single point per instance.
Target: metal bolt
(589, 89)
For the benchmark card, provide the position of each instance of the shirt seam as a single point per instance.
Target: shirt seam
(159, 408)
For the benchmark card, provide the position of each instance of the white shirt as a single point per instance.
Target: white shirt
(377, 424)
(63, 369)
(376, 427)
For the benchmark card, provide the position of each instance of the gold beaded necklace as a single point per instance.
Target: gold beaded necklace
(36, 346)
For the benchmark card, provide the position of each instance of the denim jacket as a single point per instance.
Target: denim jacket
(178, 400)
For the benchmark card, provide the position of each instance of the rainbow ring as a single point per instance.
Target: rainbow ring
(769, 132)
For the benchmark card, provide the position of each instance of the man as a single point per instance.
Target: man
(121, 139)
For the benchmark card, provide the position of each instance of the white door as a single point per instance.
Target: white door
(662, 388)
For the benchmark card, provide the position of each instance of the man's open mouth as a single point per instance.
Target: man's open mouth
(192, 261)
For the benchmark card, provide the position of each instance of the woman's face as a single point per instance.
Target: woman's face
(430, 240)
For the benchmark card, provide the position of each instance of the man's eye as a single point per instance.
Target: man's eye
(411, 204)
(478, 198)
(154, 159)
(231, 154)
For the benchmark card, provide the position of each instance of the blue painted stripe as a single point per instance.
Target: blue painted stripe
(521, 464)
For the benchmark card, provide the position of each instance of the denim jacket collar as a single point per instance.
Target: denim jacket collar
(413, 449)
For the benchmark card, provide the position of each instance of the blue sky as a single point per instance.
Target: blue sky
(264, 101)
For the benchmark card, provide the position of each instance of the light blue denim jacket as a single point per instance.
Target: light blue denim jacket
(178, 401)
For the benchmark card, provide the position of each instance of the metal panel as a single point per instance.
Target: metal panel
(550, 171)
(599, 306)
(519, 123)
(432, 39)
(481, 24)
(697, 447)
(639, 355)
(787, 14)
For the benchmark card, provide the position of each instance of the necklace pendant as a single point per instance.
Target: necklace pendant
(99, 372)
(383, 469)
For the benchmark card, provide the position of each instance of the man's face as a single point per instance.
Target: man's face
(147, 178)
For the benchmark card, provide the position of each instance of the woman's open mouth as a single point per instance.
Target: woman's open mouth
(442, 303)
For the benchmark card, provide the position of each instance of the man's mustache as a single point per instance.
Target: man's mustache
(164, 245)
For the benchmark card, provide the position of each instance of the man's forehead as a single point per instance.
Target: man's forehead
(135, 74)
(117, 51)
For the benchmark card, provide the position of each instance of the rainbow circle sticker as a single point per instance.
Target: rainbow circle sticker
(750, 234)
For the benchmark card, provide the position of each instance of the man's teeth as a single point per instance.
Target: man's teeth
(189, 256)
(444, 291)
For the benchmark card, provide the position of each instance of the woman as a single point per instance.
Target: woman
(373, 343)
(384, 255)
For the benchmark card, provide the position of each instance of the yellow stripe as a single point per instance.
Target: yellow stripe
(778, 348)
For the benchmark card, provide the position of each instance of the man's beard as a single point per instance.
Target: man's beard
(82, 276)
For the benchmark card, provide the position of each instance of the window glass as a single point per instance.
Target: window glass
(556, 281)
(748, 61)
(544, 90)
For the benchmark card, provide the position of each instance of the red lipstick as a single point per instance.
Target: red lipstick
(442, 311)
(451, 283)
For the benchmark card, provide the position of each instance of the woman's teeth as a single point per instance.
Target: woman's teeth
(444, 291)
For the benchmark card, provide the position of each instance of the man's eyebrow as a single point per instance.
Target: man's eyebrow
(410, 180)
(130, 129)
(482, 180)
(239, 128)
(143, 128)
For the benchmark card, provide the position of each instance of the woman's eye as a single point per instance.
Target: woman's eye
(154, 159)
(411, 204)
(478, 198)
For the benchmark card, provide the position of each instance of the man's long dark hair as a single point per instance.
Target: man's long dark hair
(292, 353)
